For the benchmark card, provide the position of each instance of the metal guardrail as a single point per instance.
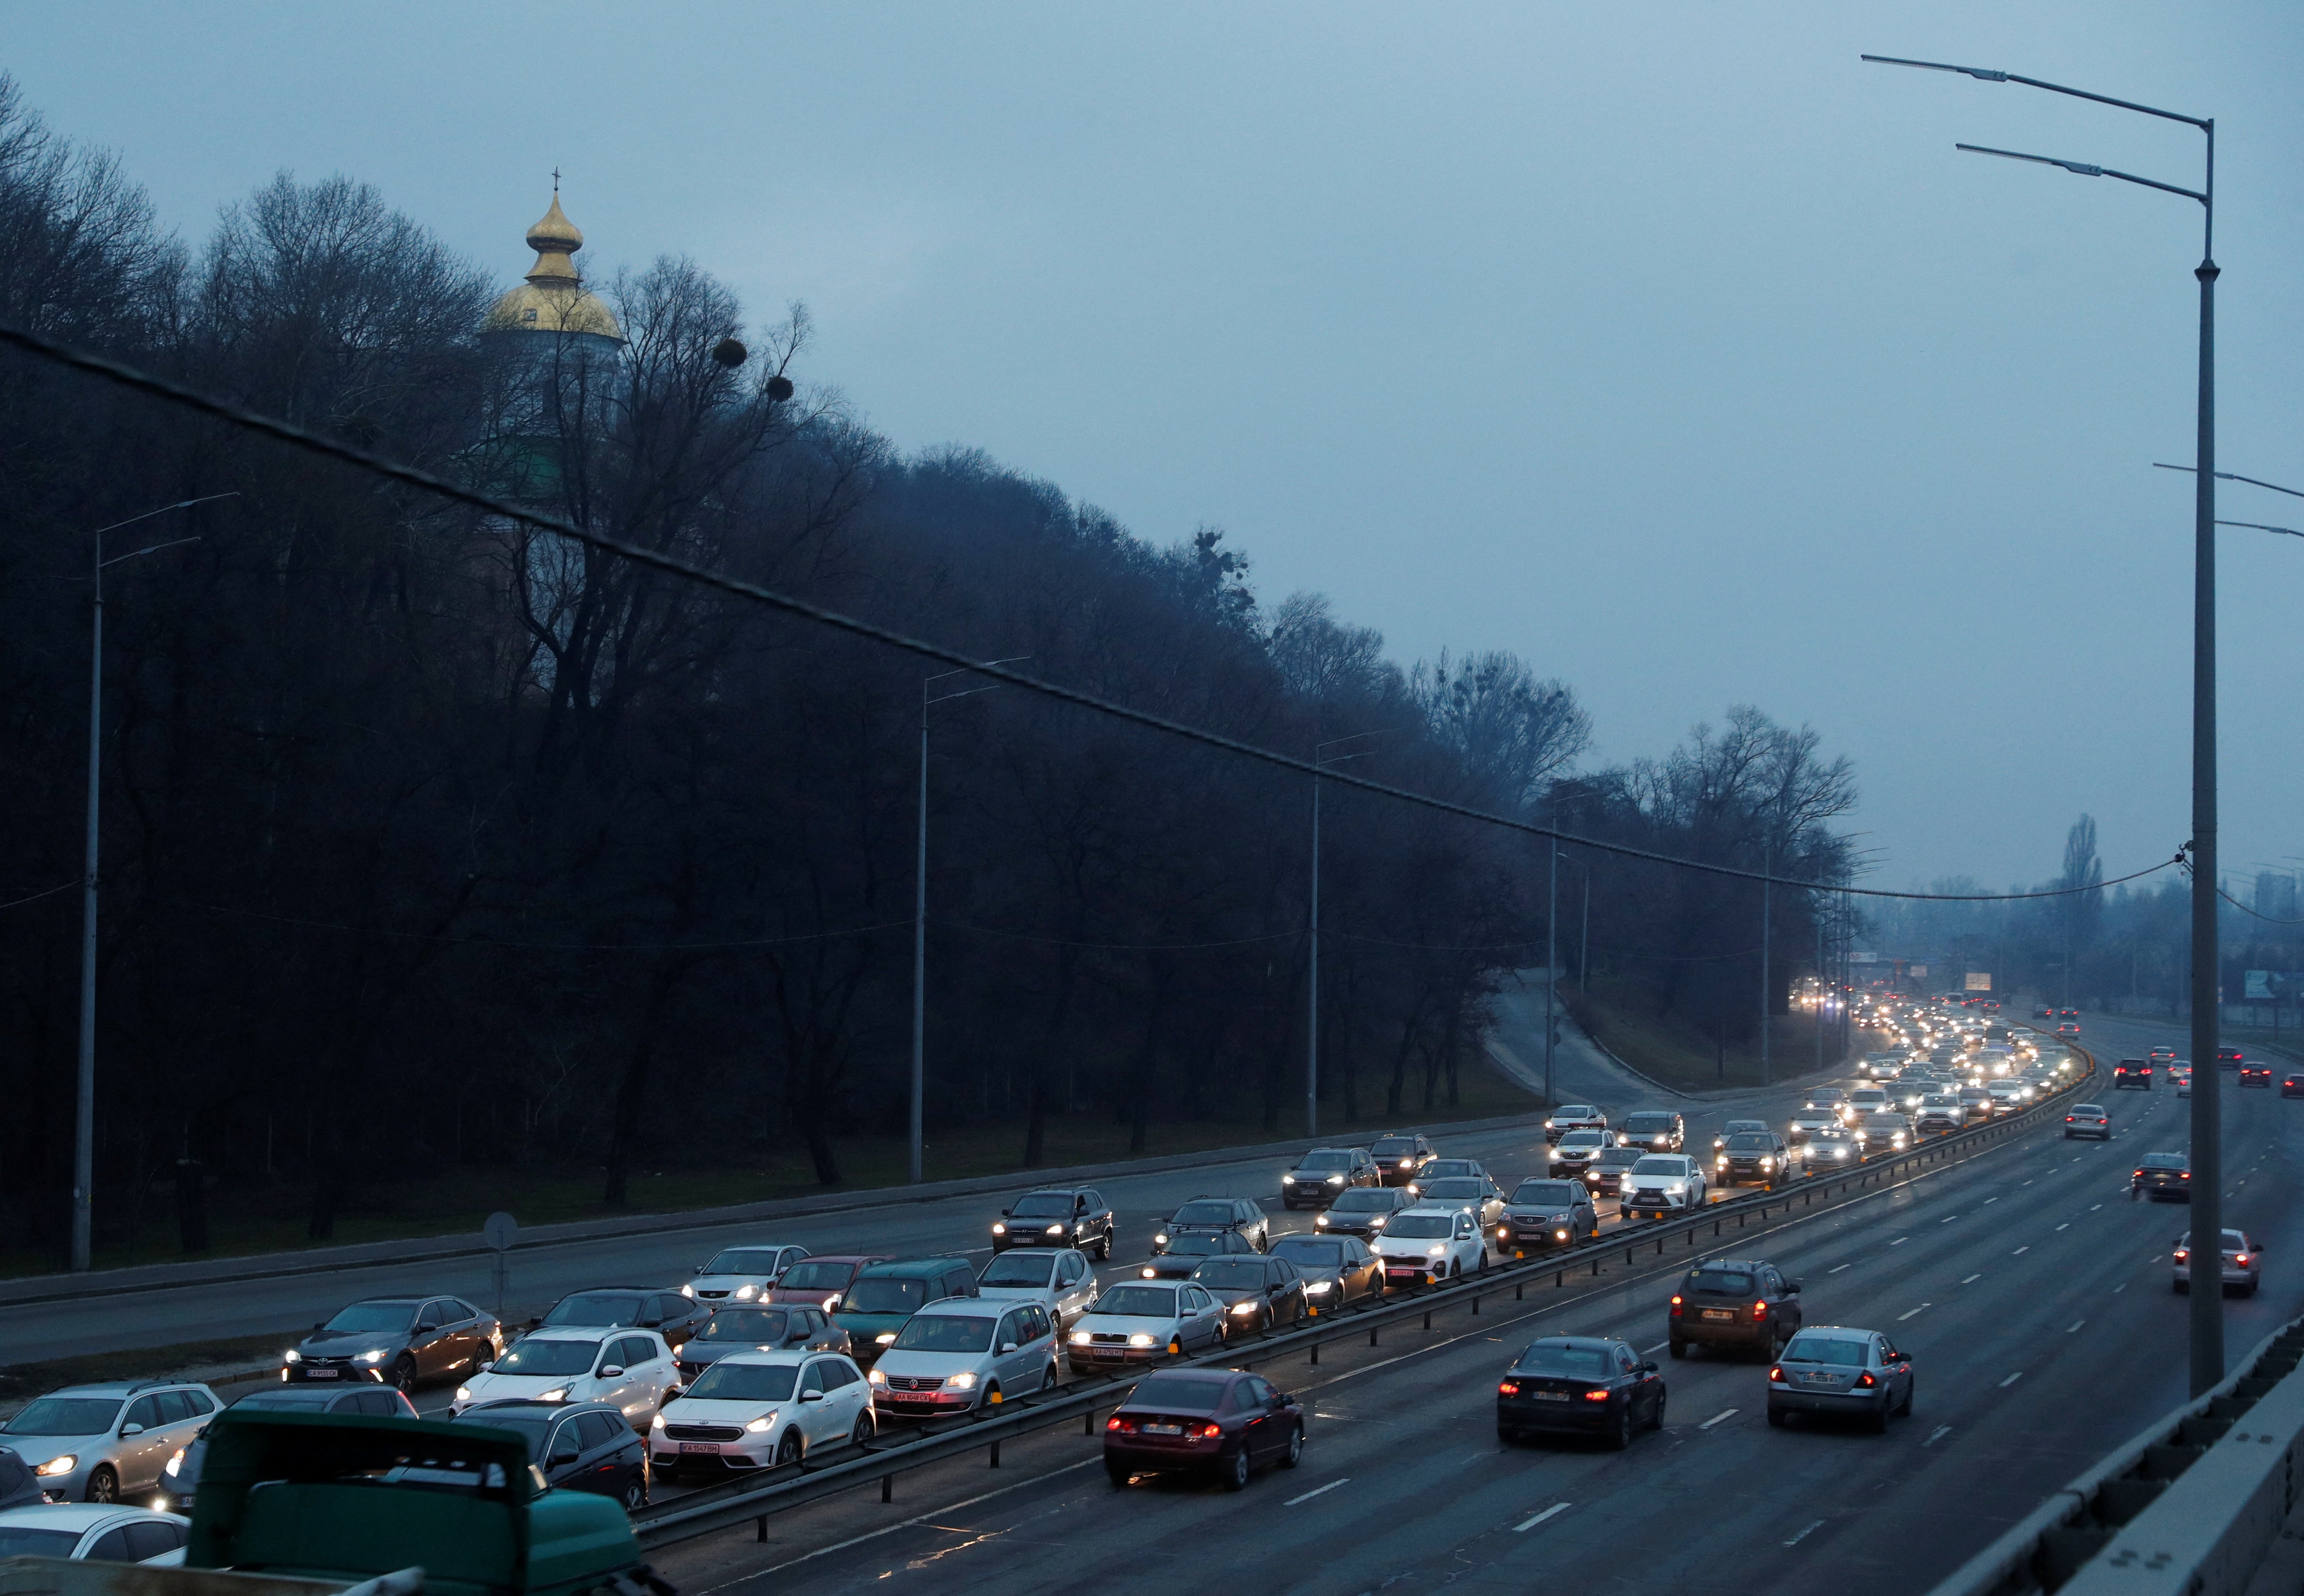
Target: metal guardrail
(2191, 1505)
(737, 1502)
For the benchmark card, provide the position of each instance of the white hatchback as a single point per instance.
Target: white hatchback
(631, 1368)
(743, 1274)
(758, 1409)
(1426, 1244)
(1060, 1281)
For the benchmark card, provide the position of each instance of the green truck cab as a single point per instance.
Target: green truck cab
(342, 1499)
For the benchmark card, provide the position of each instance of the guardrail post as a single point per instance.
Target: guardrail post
(1316, 1354)
(996, 1454)
(1476, 1305)
(1372, 1329)
(1427, 1318)
(1519, 1292)
(887, 1488)
(760, 1530)
(1088, 1422)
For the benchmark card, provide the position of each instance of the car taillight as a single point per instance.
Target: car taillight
(2139, 1174)
(1595, 1395)
(1124, 1426)
(1776, 1374)
(1675, 1304)
(1208, 1432)
(2187, 1175)
(2068, 1119)
(1759, 1312)
(1866, 1380)
(2240, 1259)
(1508, 1388)
(2181, 1255)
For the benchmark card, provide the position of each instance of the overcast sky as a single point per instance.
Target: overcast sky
(1664, 344)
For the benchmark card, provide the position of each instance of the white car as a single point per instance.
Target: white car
(1807, 1122)
(742, 1274)
(1576, 1149)
(1060, 1281)
(1573, 1116)
(963, 1353)
(1863, 1101)
(1661, 1183)
(1137, 1322)
(755, 1410)
(1429, 1244)
(631, 1368)
(95, 1532)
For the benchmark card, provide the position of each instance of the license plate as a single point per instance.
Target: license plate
(1110, 1353)
(1720, 1312)
(710, 1447)
(1164, 1430)
(320, 1373)
(913, 1396)
(1551, 1395)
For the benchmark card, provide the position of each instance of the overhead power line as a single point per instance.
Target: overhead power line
(144, 382)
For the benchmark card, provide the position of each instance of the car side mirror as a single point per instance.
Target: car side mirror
(1007, 1346)
(611, 1371)
(1792, 1287)
(1649, 1367)
(487, 1364)
(563, 1454)
(1005, 1213)
(811, 1396)
(131, 1430)
(320, 1324)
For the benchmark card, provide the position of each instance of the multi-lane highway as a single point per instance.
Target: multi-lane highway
(2032, 1294)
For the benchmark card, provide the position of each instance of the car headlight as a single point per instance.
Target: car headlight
(688, 1291)
(1319, 1288)
(960, 1381)
(886, 1338)
(1081, 1338)
(1055, 1230)
(1287, 1180)
(369, 1357)
(1248, 1307)
(1767, 1163)
(1407, 1163)
(175, 1462)
(556, 1394)
(1559, 1236)
(57, 1465)
(1140, 1339)
(1335, 1180)
(761, 1426)
(1722, 1160)
(746, 1292)
(292, 1357)
(871, 1377)
(1319, 1220)
(1161, 1239)
(1675, 1189)
(463, 1393)
(1148, 1274)
(1436, 1249)
(1377, 1221)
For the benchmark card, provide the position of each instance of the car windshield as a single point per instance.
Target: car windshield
(1138, 1302)
(1583, 1138)
(1179, 1393)
(1047, 1206)
(1020, 1269)
(1305, 1252)
(1571, 1362)
(1366, 1200)
(1649, 1125)
(21, 1541)
(373, 1317)
(2163, 1161)
(1325, 1161)
(947, 1332)
(880, 1293)
(1576, 1110)
(1199, 1246)
(1231, 1274)
(745, 1324)
(544, 1355)
(1721, 1282)
(1212, 1213)
(1394, 1147)
(1544, 1193)
(1825, 1349)
(530, 1425)
(64, 1416)
(1751, 1142)
(1740, 1127)
(1459, 1186)
(1421, 1227)
(596, 1308)
(288, 1396)
(1618, 1158)
(743, 1261)
(729, 1381)
(1661, 1163)
(818, 1275)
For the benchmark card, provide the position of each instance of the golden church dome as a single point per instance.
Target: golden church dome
(554, 299)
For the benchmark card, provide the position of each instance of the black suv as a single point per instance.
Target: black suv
(1056, 1216)
(1206, 1216)
(1400, 1156)
(2132, 1075)
(1761, 1157)
(1652, 1132)
(1747, 1307)
(1323, 1173)
(670, 1315)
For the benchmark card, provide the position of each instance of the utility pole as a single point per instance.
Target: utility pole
(1767, 854)
(1819, 989)
(1551, 965)
(1312, 1006)
(1584, 947)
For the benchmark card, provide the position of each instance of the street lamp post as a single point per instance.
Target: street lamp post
(84, 1196)
(920, 908)
(2208, 1340)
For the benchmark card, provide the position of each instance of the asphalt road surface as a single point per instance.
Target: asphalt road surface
(2033, 1295)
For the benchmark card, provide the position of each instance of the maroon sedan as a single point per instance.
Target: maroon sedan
(1219, 1421)
(819, 1282)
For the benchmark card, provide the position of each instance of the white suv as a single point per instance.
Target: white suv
(1429, 1244)
(1661, 1183)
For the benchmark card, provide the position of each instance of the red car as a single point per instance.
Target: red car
(2256, 1075)
(1219, 1421)
(819, 1282)
(2230, 1057)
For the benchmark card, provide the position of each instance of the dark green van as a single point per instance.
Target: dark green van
(344, 1499)
(883, 1297)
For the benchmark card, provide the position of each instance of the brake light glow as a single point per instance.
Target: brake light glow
(1508, 1388)
(1866, 1380)
(1595, 1395)
(1123, 1426)
(1777, 1375)
(2242, 1260)
(1208, 1432)
(1675, 1304)
(1759, 1312)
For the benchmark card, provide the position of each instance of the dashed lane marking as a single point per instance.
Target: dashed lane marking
(2076, 1325)
(1947, 1219)
(1921, 1309)
(1941, 1432)
(1723, 1415)
(2065, 1226)
(1323, 1491)
(1900, 1241)
(1526, 1524)
(2020, 1252)
(1972, 1280)
(1836, 1268)
(2011, 1379)
(1803, 1535)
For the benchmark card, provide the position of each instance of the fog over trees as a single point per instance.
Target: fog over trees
(432, 840)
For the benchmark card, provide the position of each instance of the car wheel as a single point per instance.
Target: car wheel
(1656, 1419)
(1484, 1258)
(1117, 1475)
(788, 1449)
(635, 1494)
(1911, 1390)
(1233, 1470)
(403, 1374)
(1455, 1268)
(866, 1428)
(1294, 1454)
(1877, 1423)
(1103, 1249)
(104, 1485)
(1508, 1435)
(1679, 1349)
(2183, 1288)
(1619, 1433)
